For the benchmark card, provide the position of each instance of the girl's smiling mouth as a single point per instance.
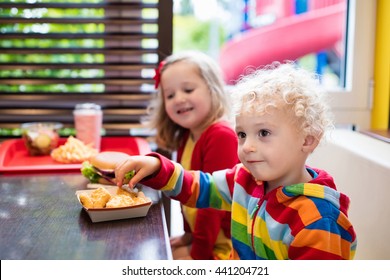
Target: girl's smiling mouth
(184, 110)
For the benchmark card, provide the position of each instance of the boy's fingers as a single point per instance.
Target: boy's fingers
(120, 171)
(138, 176)
(143, 167)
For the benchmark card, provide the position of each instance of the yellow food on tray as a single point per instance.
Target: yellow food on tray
(86, 200)
(73, 151)
(136, 196)
(120, 201)
(101, 198)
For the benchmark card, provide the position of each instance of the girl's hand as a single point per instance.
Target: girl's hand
(142, 165)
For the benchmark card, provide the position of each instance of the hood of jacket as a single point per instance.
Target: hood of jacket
(322, 186)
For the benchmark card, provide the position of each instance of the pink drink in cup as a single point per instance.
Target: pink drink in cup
(88, 119)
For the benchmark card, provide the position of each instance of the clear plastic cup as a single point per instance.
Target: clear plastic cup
(88, 120)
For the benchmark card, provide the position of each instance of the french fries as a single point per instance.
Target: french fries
(73, 151)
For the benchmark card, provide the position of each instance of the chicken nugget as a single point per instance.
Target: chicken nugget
(86, 200)
(141, 198)
(120, 201)
(100, 197)
(125, 192)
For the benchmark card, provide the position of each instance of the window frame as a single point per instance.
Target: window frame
(352, 105)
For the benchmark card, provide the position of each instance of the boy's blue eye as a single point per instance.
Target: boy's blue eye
(264, 133)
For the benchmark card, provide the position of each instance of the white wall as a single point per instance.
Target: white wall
(360, 166)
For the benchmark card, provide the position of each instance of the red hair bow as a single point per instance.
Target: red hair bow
(157, 76)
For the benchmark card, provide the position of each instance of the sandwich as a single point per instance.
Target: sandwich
(100, 169)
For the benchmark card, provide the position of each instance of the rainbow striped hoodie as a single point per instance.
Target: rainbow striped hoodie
(302, 221)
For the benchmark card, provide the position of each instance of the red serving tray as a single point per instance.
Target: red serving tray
(14, 157)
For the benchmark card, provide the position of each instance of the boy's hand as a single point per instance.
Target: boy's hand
(142, 165)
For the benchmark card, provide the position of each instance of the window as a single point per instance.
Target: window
(56, 54)
(332, 37)
(352, 105)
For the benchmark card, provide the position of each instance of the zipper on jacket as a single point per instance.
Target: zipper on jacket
(253, 216)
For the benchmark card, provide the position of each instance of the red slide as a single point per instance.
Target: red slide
(289, 38)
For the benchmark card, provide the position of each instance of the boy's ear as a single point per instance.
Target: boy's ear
(309, 144)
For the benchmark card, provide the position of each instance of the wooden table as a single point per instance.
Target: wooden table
(41, 219)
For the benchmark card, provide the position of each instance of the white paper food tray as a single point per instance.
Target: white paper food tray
(109, 214)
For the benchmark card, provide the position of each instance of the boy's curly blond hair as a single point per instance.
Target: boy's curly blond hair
(288, 87)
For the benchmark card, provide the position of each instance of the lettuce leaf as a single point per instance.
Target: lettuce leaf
(129, 175)
(89, 172)
(93, 175)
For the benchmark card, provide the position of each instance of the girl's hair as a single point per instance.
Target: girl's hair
(287, 87)
(169, 134)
